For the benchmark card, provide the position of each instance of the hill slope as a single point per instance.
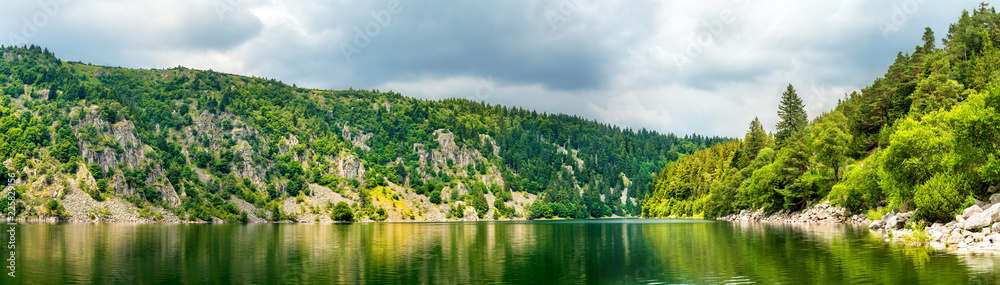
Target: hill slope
(92, 142)
(924, 137)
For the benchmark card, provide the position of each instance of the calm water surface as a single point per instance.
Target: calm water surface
(543, 252)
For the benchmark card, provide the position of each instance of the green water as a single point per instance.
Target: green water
(544, 252)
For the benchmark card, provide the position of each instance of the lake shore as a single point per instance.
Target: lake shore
(974, 231)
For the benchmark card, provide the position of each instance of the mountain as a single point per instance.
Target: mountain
(85, 142)
(924, 138)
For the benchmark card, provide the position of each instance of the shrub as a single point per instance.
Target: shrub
(342, 212)
(939, 197)
(436, 197)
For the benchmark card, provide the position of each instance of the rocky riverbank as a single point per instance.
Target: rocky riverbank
(976, 229)
(818, 213)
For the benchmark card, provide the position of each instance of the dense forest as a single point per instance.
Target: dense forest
(923, 137)
(198, 144)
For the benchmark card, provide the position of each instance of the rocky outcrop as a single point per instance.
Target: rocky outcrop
(347, 166)
(819, 213)
(358, 140)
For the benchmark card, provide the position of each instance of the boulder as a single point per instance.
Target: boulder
(959, 219)
(954, 238)
(991, 189)
(876, 225)
(936, 236)
(982, 205)
(978, 220)
(995, 198)
(891, 222)
(993, 238)
(978, 237)
(968, 212)
(995, 228)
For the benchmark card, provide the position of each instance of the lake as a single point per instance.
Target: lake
(609, 251)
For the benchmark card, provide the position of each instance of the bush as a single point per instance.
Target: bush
(558, 209)
(342, 212)
(859, 190)
(939, 197)
(436, 197)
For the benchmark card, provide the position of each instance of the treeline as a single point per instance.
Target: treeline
(923, 137)
(45, 127)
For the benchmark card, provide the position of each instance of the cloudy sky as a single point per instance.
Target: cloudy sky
(706, 67)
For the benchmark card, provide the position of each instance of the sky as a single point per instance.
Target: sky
(705, 67)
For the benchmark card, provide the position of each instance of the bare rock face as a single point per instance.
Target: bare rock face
(358, 140)
(347, 166)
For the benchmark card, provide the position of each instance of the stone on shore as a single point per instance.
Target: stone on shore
(971, 211)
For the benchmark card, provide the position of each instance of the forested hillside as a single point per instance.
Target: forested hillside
(94, 142)
(924, 137)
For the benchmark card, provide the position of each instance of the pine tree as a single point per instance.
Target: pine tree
(755, 139)
(928, 40)
(792, 113)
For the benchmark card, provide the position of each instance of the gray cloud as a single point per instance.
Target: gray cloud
(676, 67)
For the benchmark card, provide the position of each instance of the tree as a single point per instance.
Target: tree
(792, 113)
(829, 141)
(342, 212)
(928, 40)
(755, 139)
(935, 90)
(435, 197)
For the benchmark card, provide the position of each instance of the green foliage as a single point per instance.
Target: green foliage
(56, 209)
(940, 197)
(435, 197)
(342, 212)
(792, 113)
(860, 189)
(935, 90)
(829, 141)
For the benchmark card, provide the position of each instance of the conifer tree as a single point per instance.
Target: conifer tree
(792, 113)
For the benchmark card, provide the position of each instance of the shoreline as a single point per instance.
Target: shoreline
(955, 237)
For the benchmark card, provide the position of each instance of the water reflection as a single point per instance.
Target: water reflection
(549, 252)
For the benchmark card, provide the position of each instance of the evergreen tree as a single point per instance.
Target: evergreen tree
(935, 90)
(792, 113)
(755, 139)
(928, 40)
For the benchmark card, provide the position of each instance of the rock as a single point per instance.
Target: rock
(936, 236)
(995, 228)
(977, 237)
(995, 198)
(968, 212)
(876, 225)
(963, 245)
(982, 205)
(991, 189)
(978, 220)
(993, 238)
(954, 238)
(959, 219)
